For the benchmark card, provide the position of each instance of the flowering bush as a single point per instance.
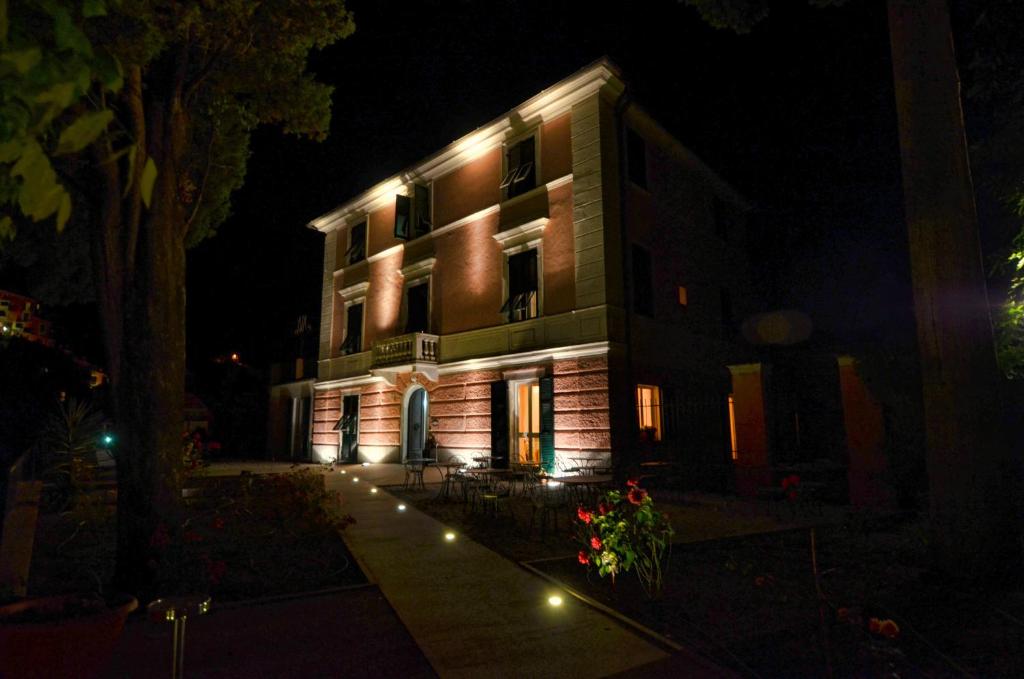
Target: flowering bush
(623, 533)
(791, 487)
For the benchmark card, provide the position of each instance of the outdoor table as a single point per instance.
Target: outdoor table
(486, 460)
(446, 469)
(176, 611)
(581, 486)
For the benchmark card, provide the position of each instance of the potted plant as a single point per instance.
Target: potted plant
(625, 533)
(60, 636)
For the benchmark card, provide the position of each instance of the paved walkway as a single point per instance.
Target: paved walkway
(472, 612)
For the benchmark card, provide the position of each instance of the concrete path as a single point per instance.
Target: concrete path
(472, 612)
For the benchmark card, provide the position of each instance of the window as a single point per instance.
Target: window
(356, 243)
(522, 302)
(353, 343)
(527, 421)
(643, 289)
(648, 410)
(412, 215)
(417, 305)
(636, 159)
(421, 210)
(683, 296)
(520, 168)
(733, 452)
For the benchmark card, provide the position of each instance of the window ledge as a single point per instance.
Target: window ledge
(521, 233)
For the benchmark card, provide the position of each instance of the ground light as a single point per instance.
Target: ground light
(373, 490)
(401, 508)
(344, 472)
(355, 479)
(366, 464)
(449, 536)
(555, 600)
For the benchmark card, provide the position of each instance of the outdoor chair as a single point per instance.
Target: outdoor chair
(414, 475)
(547, 501)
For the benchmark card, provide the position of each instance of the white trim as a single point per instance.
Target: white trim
(348, 382)
(354, 292)
(523, 374)
(424, 267)
(386, 253)
(548, 104)
(559, 182)
(468, 219)
(530, 231)
(540, 355)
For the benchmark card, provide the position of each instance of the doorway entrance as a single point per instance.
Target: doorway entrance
(414, 434)
(349, 426)
(526, 418)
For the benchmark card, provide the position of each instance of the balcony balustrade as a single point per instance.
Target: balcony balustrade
(416, 347)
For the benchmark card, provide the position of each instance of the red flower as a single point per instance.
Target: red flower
(790, 481)
(215, 570)
(584, 515)
(791, 495)
(633, 483)
(636, 495)
(874, 625)
(192, 536)
(759, 581)
(843, 614)
(582, 558)
(603, 509)
(595, 542)
(889, 629)
(218, 523)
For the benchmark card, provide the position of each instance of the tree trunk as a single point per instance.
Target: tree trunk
(973, 476)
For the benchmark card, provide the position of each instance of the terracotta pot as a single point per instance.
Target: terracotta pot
(59, 646)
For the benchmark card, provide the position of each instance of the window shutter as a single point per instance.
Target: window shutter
(547, 424)
(403, 213)
(499, 424)
(422, 196)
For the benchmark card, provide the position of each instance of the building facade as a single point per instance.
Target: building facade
(564, 282)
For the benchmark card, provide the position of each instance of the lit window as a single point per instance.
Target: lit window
(357, 244)
(522, 302)
(648, 410)
(733, 450)
(683, 297)
(520, 168)
(527, 421)
(353, 343)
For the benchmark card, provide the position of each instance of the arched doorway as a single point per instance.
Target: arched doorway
(414, 429)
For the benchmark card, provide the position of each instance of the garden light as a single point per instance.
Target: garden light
(401, 508)
(355, 479)
(449, 536)
(373, 490)
(366, 464)
(344, 472)
(555, 600)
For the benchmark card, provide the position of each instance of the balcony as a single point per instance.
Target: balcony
(415, 352)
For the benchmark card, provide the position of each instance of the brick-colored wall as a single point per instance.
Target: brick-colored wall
(559, 253)
(461, 406)
(582, 423)
(556, 147)
(468, 278)
(865, 440)
(469, 189)
(326, 412)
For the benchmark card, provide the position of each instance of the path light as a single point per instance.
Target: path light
(449, 536)
(555, 600)
(401, 508)
(366, 464)
(355, 479)
(344, 472)
(373, 490)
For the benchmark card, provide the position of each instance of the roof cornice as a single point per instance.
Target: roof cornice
(548, 104)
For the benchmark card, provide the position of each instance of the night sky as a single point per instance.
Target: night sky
(798, 116)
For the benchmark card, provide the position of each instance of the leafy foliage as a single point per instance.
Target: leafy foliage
(623, 533)
(741, 15)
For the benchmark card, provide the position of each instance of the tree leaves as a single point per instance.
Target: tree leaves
(83, 131)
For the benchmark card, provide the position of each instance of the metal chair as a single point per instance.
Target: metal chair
(414, 475)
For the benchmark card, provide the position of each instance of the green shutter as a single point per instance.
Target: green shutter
(499, 423)
(547, 424)
(403, 211)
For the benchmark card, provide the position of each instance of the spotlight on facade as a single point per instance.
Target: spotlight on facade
(555, 600)
(401, 508)
(344, 472)
(449, 536)
(366, 464)
(355, 479)
(373, 491)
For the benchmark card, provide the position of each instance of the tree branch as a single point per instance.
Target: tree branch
(202, 186)
(137, 112)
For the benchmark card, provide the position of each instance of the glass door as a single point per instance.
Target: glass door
(527, 421)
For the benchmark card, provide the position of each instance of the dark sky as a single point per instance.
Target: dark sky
(798, 115)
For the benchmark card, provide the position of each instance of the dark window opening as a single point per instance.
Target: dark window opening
(357, 244)
(522, 302)
(521, 170)
(421, 210)
(403, 216)
(418, 308)
(353, 343)
(636, 159)
(643, 287)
